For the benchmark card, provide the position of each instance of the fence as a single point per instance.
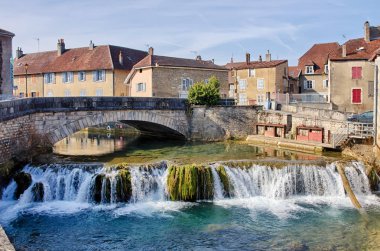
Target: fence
(301, 98)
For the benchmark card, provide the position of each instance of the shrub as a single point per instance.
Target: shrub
(202, 93)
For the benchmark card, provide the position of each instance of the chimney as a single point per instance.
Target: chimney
(19, 52)
(367, 33)
(60, 46)
(150, 51)
(248, 58)
(198, 58)
(260, 58)
(232, 60)
(268, 56)
(344, 50)
(91, 46)
(121, 58)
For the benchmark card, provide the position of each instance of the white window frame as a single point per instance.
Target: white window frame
(309, 69)
(306, 84)
(99, 92)
(251, 73)
(186, 84)
(326, 69)
(361, 95)
(243, 99)
(67, 93)
(99, 75)
(67, 77)
(324, 83)
(141, 87)
(83, 74)
(260, 84)
(232, 87)
(242, 84)
(49, 78)
(260, 99)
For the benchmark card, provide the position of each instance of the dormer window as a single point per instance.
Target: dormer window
(326, 68)
(309, 69)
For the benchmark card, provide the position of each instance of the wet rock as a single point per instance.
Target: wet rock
(97, 188)
(107, 190)
(38, 192)
(23, 181)
(123, 186)
(227, 186)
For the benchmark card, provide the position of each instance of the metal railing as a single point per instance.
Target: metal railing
(288, 98)
(8, 97)
(355, 130)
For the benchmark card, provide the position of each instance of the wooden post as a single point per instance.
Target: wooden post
(347, 186)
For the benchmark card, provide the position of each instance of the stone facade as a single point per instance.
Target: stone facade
(166, 82)
(343, 84)
(6, 84)
(377, 105)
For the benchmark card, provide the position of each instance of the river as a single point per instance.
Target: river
(274, 199)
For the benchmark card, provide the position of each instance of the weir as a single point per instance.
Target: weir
(164, 182)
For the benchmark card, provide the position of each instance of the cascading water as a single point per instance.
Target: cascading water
(96, 184)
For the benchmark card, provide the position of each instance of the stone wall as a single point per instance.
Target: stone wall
(5, 67)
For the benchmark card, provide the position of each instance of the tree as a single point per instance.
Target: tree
(202, 93)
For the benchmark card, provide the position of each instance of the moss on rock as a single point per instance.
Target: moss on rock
(190, 183)
(227, 186)
(123, 186)
(97, 188)
(23, 181)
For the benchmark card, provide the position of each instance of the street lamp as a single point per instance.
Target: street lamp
(26, 79)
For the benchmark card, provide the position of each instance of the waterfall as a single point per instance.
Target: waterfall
(87, 183)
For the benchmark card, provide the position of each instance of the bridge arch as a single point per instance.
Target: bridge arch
(163, 124)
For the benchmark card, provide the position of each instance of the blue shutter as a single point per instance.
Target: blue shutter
(53, 78)
(45, 78)
(94, 76)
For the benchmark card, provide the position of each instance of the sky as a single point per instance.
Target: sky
(214, 29)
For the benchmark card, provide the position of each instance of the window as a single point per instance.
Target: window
(371, 88)
(308, 84)
(49, 78)
(309, 69)
(251, 72)
(356, 72)
(99, 75)
(260, 99)
(82, 76)
(67, 77)
(67, 93)
(326, 68)
(260, 84)
(49, 93)
(82, 93)
(242, 98)
(232, 87)
(356, 96)
(242, 84)
(233, 73)
(186, 84)
(141, 87)
(99, 92)
(326, 83)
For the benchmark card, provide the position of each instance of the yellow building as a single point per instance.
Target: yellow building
(170, 77)
(252, 82)
(88, 71)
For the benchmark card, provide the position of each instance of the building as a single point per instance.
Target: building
(376, 60)
(161, 76)
(314, 76)
(251, 82)
(88, 71)
(294, 79)
(351, 77)
(6, 74)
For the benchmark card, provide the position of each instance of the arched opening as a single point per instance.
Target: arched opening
(154, 129)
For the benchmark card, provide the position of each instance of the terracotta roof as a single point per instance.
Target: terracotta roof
(294, 71)
(78, 59)
(318, 56)
(375, 54)
(255, 64)
(358, 49)
(155, 60)
(6, 33)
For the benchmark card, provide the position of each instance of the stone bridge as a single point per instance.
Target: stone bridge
(28, 123)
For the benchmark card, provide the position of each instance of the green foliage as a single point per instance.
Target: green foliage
(190, 183)
(205, 94)
(123, 186)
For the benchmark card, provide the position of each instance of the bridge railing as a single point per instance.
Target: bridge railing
(20, 107)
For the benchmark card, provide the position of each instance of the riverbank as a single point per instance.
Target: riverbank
(5, 244)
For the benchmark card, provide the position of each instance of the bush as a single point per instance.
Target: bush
(202, 93)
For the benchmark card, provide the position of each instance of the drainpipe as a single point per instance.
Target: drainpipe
(376, 101)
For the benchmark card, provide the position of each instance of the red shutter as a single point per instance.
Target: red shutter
(356, 96)
(356, 72)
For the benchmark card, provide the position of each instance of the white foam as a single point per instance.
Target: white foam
(152, 208)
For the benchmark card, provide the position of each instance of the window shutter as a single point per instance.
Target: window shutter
(104, 75)
(45, 78)
(356, 96)
(313, 84)
(359, 72)
(52, 78)
(305, 84)
(353, 72)
(94, 76)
